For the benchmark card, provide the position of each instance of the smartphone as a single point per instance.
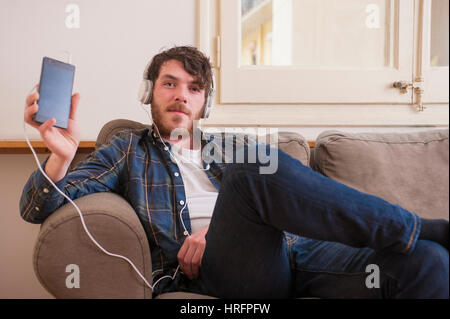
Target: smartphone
(55, 92)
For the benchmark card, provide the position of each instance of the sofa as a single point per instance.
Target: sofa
(409, 169)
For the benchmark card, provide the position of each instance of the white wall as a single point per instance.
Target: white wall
(115, 40)
(111, 47)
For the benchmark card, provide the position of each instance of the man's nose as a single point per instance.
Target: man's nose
(181, 94)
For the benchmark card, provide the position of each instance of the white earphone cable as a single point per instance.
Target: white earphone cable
(82, 218)
(176, 161)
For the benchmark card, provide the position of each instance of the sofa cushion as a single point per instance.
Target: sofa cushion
(409, 169)
(294, 145)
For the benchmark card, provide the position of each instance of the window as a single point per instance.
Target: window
(316, 51)
(329, 62)
(436, 55)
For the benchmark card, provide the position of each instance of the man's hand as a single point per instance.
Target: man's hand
(62, 143)
(191, 253)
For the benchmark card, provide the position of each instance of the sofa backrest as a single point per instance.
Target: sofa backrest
(291, 143)
(115, 126)
(409, 169)
(294, 145)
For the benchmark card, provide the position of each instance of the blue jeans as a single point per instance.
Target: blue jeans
(297, 233)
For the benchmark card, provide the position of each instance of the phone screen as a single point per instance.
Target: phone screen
(55, 92)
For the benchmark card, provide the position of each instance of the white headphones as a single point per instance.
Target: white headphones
(146, 92)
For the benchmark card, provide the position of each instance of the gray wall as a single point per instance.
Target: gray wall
(17, 279)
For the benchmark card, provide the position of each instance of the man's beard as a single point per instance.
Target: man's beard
(166, 129)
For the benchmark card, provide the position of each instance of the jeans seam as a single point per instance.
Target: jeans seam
(413, 234)
(330, 272)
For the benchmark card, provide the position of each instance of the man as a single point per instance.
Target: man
(233, 231)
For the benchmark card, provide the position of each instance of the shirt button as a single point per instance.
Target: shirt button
(45, 190)
(185, 233)
(166, 148)
(181, 202)
(176, 174)
(37, 208)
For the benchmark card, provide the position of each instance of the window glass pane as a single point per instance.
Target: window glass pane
(317, 33)
(439, 33)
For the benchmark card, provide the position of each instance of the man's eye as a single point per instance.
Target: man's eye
(195, 89)
(168, 84)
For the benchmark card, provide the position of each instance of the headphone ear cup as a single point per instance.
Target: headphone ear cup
(208, 105)
(146, 92)
(209, 98)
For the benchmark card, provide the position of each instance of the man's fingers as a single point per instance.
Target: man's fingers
(32, 98)
(29, 113)
(31, 110)
(197, 262)
(182, 252)
(192, 261)
(46, 126)
(74, 106)
(187, 269)
(185, 256)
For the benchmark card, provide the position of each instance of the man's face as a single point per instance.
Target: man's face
(177, 99)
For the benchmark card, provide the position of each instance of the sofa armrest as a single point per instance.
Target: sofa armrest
(62, 241)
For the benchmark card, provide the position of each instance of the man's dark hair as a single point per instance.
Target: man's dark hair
(194, 62)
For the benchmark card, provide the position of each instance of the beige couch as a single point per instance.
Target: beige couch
(408, 169)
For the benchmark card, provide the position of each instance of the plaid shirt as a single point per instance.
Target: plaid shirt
(136, 165)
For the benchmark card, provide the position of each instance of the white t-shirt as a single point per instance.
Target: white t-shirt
(201, 195)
